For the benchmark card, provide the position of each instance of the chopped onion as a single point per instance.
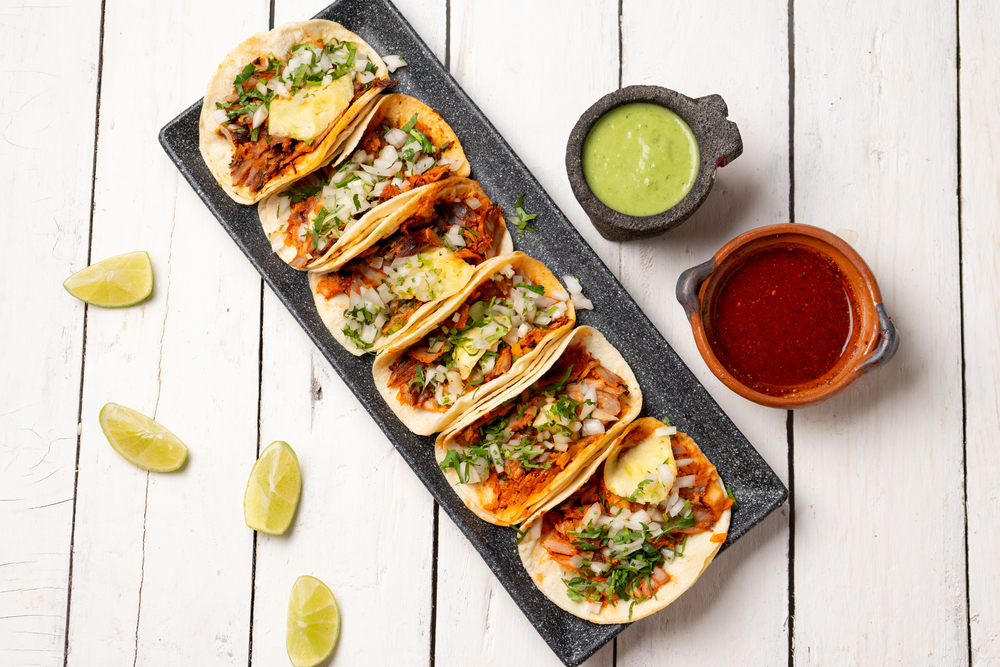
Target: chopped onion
(573, 285)
(366, 77)
(392, 63)
(592, 427)
(259, 115)
(666, 475)
(423, 164)
(472, 203)
(665, 430)
(592, 513)
(576, 561)
(559, 294)
(582, 302)
(220, 116)
(603, 416)
(598, 567)
(685, 481)
(396, 137)
(262, 89)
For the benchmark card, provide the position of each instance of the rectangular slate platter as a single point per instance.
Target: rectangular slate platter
(669, 388)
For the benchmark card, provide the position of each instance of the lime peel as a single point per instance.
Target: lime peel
(272, 492)
(123, 280)
(313, 622)
(140, 440)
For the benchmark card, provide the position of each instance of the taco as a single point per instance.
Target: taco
(513, 453)
(413, 262)
(634, 532)
(281, 104)
(494, 330)
(400, 146)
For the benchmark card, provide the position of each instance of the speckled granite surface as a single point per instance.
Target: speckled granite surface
(669, 388)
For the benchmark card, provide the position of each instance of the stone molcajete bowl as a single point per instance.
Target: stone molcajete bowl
(719, 143)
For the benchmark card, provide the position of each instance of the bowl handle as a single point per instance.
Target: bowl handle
(887, 346)
(689, 283)
(728, 144)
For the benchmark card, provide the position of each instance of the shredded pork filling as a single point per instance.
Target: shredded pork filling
(519, 447)
(615, 548)
(505, 317)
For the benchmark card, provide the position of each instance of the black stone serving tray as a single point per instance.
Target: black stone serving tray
(669, 388)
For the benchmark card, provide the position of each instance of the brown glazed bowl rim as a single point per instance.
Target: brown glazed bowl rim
(873, 342)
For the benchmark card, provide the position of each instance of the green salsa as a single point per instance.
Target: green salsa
(640, 158)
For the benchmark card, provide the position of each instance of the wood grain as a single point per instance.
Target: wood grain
(979, 29)
(365, 524)
(47, 107)
(162, 562)
(500, 70)
(879, 553)
(746, 63)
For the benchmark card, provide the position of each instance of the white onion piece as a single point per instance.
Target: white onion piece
(592, 427)
(423, 164)
(666, 475)
(598, 567)
(642, 516)
(220, 116)
(685, 481)
(472, 203)
(576, 561)
(259, 115)
(573, 285)
(582, 302)
(665, 430)
(261, 88)
(392, 63)
(683, 462)
(365, 77)
(677, 507)
(603, 416)
(396, 137)
(536, 530)
(559, 294)
(592, 513)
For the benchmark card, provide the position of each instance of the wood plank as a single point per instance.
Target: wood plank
(501, 69)
(45, 141)
(745, 592)
(879, 553)
(365, 522)
(162, 563)
(979, 31)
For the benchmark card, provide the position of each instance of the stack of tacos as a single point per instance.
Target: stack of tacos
(408, 259)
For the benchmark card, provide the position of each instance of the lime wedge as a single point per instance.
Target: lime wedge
(140, 440)
(273, 490)
(117, 281)
(313, 622)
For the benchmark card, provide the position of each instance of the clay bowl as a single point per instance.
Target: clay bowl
(719, 143)
(873, 340)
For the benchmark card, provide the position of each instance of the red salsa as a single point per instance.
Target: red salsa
(782, 319)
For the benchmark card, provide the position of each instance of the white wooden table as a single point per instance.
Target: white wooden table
(877, 121)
